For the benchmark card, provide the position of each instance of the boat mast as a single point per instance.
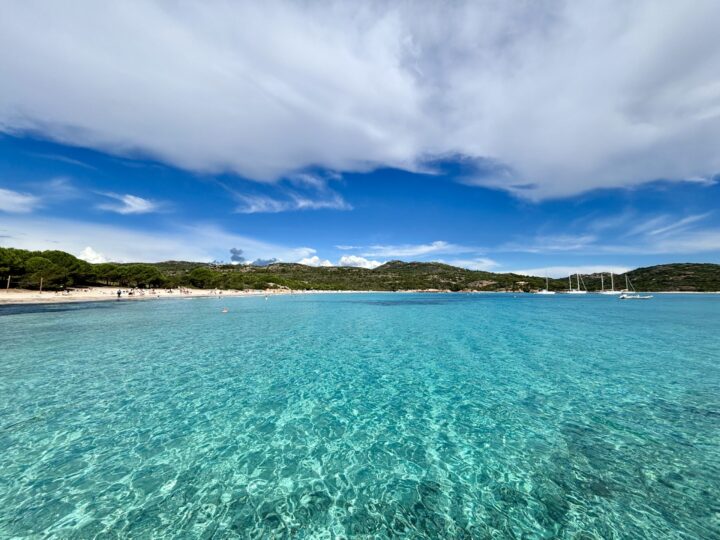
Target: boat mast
(602, 282)
(570, 281)
(578, 279)
(612, 282)
(546, 283)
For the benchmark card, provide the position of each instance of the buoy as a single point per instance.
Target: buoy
(225, 310)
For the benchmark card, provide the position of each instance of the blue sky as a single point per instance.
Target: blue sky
(74, 200)
(545, 138)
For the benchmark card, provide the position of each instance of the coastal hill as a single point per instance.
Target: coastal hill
(57, 269)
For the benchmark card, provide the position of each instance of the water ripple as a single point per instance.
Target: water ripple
(332, 417)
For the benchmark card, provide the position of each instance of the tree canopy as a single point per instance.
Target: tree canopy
(58, 270)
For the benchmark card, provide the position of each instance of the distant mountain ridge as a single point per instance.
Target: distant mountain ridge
(690, 277)
(57, 269)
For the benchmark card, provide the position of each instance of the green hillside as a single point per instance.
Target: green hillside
(57, 269)
(689, 277)
(677, 277)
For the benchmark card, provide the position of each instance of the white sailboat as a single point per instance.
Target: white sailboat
(546, 290)
(578, 290)
(612, 285)
(627, 295)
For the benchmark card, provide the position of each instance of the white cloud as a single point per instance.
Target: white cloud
(54, 191)
(482, 263)
(129, 204)
(551, 243)
(58, 189)
(90, 255)
(306, 192)
(678, 225)
(196, 242)
(315, 182)
(63, 159)
(564, 271)
(702, 180)
(15, 202)
(679, 242)
(360, 262)
(654, 235)
(557, 97)
(416, 250)
(315, 261)
(669, 234)
(257, 204)
(254, 204)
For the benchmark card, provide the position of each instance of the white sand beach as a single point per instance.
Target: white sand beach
(94, 294)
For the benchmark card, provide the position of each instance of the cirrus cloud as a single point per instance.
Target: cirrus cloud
(129, 204)
(259, 204)
(416, 250)
(481, 263)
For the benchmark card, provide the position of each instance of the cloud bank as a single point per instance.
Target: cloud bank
(359, 262)
(315, 261)
(190, 242)
(543, 99)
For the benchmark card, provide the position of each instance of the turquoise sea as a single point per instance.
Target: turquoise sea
(362, 416)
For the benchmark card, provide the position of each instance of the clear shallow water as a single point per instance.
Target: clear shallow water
(365, 415)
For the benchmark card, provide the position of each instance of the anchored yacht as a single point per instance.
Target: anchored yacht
(627, 295)
(612, 285)
(546, 290)
(578, 290)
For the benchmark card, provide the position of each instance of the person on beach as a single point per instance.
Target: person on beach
(119, 293)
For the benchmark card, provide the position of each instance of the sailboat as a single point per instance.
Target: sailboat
(627, 295)
(612, 285)
(546, 290)
(578, 290)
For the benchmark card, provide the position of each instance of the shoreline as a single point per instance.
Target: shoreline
(103, 294)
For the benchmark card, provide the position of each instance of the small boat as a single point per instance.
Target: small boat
(546, 290)
(627, 295)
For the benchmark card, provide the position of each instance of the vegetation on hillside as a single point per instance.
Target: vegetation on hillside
(58, 270)
(677, 277)
(690, 277)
